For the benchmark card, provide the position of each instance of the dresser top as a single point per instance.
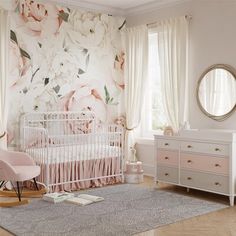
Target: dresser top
(203, 135)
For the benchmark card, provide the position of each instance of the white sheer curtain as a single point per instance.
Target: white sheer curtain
(4, 40)
(136, 43)
(173, 51)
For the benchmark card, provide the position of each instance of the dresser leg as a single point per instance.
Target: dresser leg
(231, 200)
(155, 180)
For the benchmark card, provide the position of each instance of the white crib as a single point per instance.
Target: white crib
(73, 149)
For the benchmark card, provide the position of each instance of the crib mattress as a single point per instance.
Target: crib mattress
(62, 154)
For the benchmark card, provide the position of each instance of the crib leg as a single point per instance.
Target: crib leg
(123, 179)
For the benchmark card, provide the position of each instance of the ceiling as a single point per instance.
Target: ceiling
(120, 7)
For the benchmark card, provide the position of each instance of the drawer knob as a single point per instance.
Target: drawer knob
(217, 149)
(217, 165)
(166, 144)
(189, 146)
(217, 183)
(189, 161)
(166, 174)
(189, 178)
(166, 158)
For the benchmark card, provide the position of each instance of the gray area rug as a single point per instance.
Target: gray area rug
(127, 209)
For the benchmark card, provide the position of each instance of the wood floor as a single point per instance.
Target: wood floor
(219, 223)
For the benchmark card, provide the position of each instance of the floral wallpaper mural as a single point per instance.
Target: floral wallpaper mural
(64, 59)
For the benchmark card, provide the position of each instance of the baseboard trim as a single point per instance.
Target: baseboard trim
(149, 170)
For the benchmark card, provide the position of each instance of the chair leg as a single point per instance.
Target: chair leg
(3, 182)
(18, 191)
(35, 184)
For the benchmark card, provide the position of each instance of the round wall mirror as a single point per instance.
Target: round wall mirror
(216, 92)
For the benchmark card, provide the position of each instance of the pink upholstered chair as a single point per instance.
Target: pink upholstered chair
(17, 167)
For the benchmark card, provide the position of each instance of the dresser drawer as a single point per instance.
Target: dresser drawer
(205, 181)
(208, 148)
(169, 158)
(168, 144)
(217, 165)
(167, 174)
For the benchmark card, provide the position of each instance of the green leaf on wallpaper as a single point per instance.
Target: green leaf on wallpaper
(123, 24)
(87, 60)
(24, 53)
(46, 81)
(25, 90)
(64, 16)
(34, 74)
(40, 45)
(56, 89)
(116, 59)
(85, 51)
(13, 36)
(81, 72)
(107, 94)
(68, 9)
(109, 100)
(17, 9)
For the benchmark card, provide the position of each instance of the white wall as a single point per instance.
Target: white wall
(212, 41)
(145, 153)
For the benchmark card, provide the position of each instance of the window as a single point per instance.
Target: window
(167, 94)
(154, 118)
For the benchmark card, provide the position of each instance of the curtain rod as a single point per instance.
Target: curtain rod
(187, 17)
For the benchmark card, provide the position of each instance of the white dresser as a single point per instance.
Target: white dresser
(204, 160)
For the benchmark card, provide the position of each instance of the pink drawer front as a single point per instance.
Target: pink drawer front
(205, 163)
(169, 158)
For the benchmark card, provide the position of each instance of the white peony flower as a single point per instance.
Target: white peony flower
(61, 65)
(87, 29)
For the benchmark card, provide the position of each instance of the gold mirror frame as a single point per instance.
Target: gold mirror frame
(232, 71)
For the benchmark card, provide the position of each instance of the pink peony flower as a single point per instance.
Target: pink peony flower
(40, 19)
(118, 73)
(18, 66)
(85, 98)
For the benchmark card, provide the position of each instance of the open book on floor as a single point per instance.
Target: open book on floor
(84, 199)
(57, 197)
